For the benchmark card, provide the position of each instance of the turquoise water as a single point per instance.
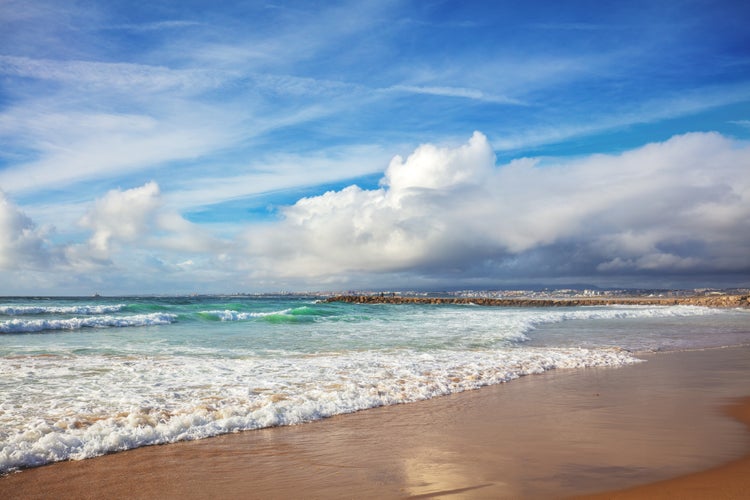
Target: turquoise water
(86, 376)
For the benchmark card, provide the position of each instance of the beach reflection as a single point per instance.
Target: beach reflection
(433, 471)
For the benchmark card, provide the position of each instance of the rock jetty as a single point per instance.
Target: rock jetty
(707, 301)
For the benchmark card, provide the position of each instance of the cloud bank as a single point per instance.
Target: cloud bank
(681, 207)
(664, 214)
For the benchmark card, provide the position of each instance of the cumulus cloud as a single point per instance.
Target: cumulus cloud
(394, 227)
(121, 216)
(137, 217)
(23, 244)
(680, 206)
(133, 237)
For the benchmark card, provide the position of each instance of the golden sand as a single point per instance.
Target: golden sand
(727, 481)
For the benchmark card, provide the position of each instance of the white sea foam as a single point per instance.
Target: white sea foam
(229, 315)
(490, 326)
(161, 400)
(617, 312)
(82, 309)
(41, 325)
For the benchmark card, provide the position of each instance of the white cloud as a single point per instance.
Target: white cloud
(22, 245)
(277, 173)
(137, 218)
(57, 142)
(301, 86)
(680, 205)
(157, 25)
(294, 35)
(107, 76)
(69, 147)
(462, 92)
(654, 110)
(442, 213)
(135, 245)
(396, 226)
(430, 167)
(121, 216)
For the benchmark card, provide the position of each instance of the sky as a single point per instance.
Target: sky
(249, 146)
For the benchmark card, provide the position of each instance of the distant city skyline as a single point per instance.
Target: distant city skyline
(181, 147)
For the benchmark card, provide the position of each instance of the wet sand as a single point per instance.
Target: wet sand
(730, 480)
(560, 434)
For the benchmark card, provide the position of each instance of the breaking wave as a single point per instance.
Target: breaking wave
(256, 393)
(83, 310)
(289, 315)
(41, 325)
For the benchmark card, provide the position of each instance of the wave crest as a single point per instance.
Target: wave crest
(289, 315)
(41, 325)
(84, 310)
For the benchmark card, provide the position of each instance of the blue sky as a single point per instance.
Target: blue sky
(176, 147)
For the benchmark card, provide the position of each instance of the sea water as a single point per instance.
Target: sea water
(81, 377)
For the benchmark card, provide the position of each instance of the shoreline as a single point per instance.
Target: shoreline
(724, 301)
(560, 434)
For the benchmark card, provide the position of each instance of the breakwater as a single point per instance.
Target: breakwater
(707, 301)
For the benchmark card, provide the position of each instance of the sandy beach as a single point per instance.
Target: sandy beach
(561, 434)
(729, 480)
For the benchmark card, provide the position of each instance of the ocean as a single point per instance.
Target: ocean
(82, 377)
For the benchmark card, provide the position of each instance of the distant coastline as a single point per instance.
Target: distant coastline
(707, 301)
